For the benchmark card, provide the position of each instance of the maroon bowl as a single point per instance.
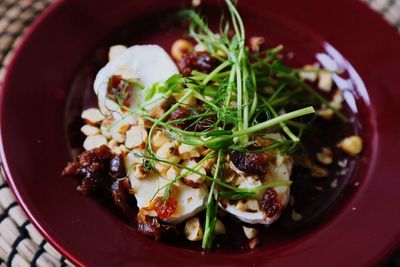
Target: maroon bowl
(49, 79)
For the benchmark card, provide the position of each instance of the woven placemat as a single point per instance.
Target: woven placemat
(20, 243)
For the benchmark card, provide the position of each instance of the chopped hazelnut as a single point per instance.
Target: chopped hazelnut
(94, 141)
(89, 130)
(249, 232)
(92, 116)
(325, 156)
(193, 230)
(256, 42)
(181, 47)
(352, 145)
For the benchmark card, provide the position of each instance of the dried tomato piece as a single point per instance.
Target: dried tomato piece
(163, 208)
(120, 192)
(150, 226)
(201, 61)
(252, 163)
(270, 205)
(119, 90)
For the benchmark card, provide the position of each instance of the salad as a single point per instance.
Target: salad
(209, 133)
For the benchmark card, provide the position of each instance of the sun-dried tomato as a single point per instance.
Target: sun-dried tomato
(270, 205)
(163, 208)
(201, 61)
(119, 90)
(252, 163)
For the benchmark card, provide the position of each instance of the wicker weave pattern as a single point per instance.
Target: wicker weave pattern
(20, 243)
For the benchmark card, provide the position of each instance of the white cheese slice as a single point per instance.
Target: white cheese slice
(146, 63)
(280, 170)
(190, 201)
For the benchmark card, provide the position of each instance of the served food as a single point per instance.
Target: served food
(207, 136)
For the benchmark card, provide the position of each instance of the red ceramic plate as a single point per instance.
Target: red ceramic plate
(361, 230)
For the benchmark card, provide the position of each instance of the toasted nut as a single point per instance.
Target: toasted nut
(115, 51)
(254, 242)
(325, 81)
(193, 229)
(105, 126)
(352, 145)
(94, 141)
(159, 139)
(196, 3)
(334, 183)
(193, 179)
(318, 172)
(188, 152)
(337, 100)
(138, 171)
(92, 116)
(168, 152)
(89, 130)
(219, 228)
(136, 136)
(249, 232)
(181, 47)
(249, 205)
(325, 113)
(113, 145)
(256, 42)
(325, 156)
(208, 163)
(296, 216)
(310, 72)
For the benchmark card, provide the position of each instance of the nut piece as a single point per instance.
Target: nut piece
(249, 232)
(310, 72)
(325, 156)
(325, 113)
(135, 137)
(168, 152)
(196, 3)
(181, 47)
(92, 116)
(337, 100)
(105, 126)
(115, 51)
(158, 139)
(89, 130)
(138, 171)
(94, 141)
(256, 42)
(248, 205)
(254, 242)
(193, 179)
(219, 228)
(352, 145)
(188, 151)
(193, 229)
(318, 172)
(296, 216)
(325, 81)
